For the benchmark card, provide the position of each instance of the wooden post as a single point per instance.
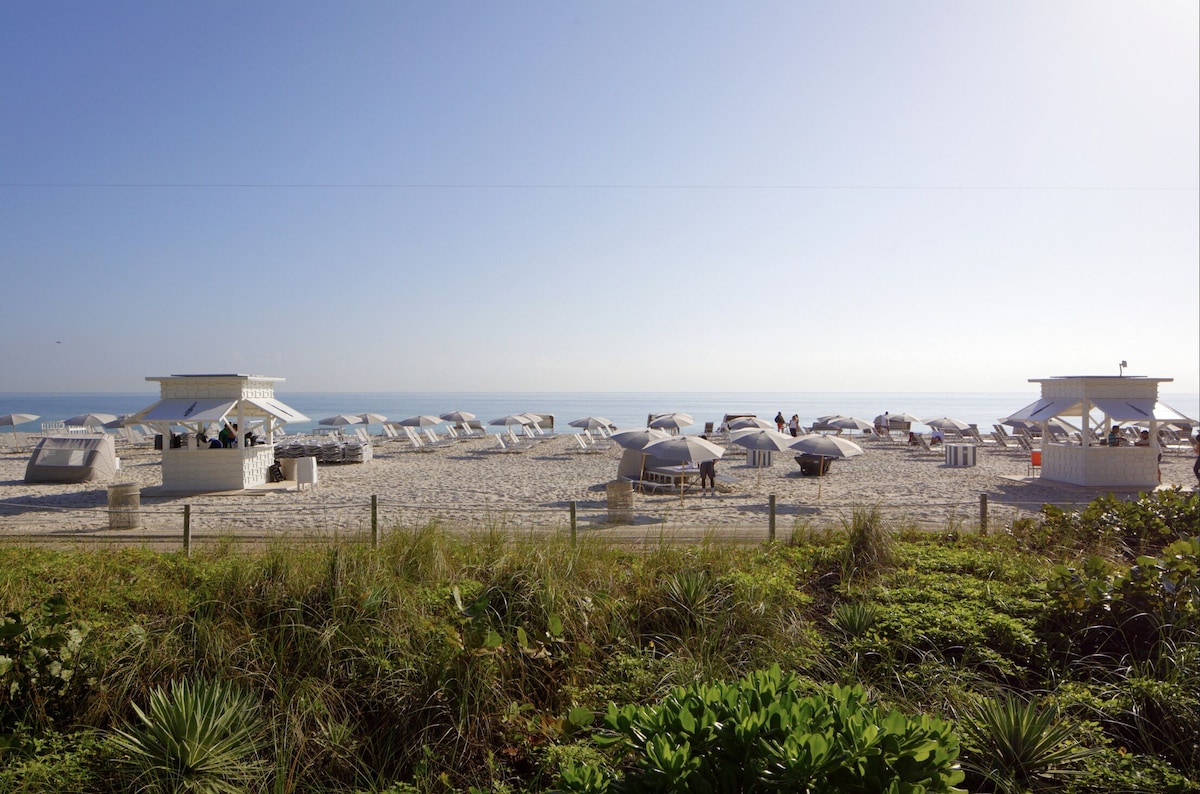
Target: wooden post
(374, 521)
(983, 516)
(771, 524)
(574, 523)
(187, 530)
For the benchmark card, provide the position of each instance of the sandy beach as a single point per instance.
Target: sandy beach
(469, 483)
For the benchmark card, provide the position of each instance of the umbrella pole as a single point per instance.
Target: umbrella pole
(820, 475)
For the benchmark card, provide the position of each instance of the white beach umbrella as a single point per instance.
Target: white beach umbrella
(900, 417)
(511, 420)
(825, 447)
(762, 440)
(420, 420)
(372, 419)
(639, 438)
(93, 421)
(12, 420)
(592, 423)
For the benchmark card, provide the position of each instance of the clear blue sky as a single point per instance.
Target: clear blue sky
(796, 196)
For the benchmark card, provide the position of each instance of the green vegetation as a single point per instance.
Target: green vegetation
(1060, 655)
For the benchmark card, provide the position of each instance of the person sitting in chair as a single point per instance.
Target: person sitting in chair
(1114, 436)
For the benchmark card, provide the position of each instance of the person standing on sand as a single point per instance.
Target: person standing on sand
(779, 421)
(794, 425)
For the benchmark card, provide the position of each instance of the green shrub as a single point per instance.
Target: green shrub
(766, 732)
(40, 652)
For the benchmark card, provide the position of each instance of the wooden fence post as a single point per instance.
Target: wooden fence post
(771, 525)
(187, 530)
(374, 521)
(574, 523)
(983, 516)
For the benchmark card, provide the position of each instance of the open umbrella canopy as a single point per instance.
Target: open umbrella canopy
(12, 420)
(900, 417)
(120, 421)
(850, 423)
(674, 420)
(420, 420)
(458, 416)
(946, 423)
(513, 419)
(341, 420)
(761, 439)
(826, 446)
(750, 423)
(372, 419)
(639, 438)
(592, 423)
(684, 449)
(89, 420)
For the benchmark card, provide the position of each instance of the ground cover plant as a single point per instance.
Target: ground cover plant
(1061, 654)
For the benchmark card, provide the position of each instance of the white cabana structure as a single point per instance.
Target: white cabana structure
(1095, 403)
(195, 407)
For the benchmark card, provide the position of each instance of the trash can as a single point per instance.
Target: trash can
(960, 455)
(758, 458)
(620, 502)
(124, 506)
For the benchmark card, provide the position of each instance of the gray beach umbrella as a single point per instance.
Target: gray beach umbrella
(674, 421)
(420, 420)
(119, 422)
(946, 423)
(592, 423)
(825, 447)
(90, 420)
(510, 420)
(639, 438)
(750, 423)
(341, 420)
(684, 449)
(761, 440)
(372, 419)
(12, 420)
(900, 417)
(458, 416)
(850, 423)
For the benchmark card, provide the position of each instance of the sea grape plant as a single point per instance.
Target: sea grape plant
(769, 732)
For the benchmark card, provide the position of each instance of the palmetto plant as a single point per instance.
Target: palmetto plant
(1017, 746)
(196, 737)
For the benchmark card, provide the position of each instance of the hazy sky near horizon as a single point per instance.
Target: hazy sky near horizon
(787, 196)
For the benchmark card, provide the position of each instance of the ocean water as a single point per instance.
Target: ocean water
(625, 409)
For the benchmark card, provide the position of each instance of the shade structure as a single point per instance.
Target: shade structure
(639, 438)
(673, 421)
(121, 421)
(761, 439)
(341, 420)
(458, 416)
(947, 423)
(12, 420)
(89, 420)
(825, 447)
(420, 420)
(900, 417)
(850, 423)
(592, 423)
(372, 419)
(684, 449)
(750, 423)
(510, 420)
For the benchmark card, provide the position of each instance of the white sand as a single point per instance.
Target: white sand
(468, 483)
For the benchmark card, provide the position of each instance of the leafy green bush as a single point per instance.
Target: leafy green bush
(1108, 524)
(766, 732)
(39, 656)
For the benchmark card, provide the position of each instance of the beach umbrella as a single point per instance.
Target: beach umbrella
(946, 423)
(420, 420)
(850, 423)
(89, 420)
(825, 447)
(510, 420)
(341, 420)
(12, 420)
(372, 419)
(461, 417)
(900, 417)
(761, 440)
(683, 449)
(592, 423)
(638, 439)
(750, 423)
(120, 422)
(672, 421)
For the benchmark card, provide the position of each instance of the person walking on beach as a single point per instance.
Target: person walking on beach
(779, 421)
(708, 476)
(794, 425)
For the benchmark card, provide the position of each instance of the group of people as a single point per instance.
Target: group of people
(793, 424)
(227, 438)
